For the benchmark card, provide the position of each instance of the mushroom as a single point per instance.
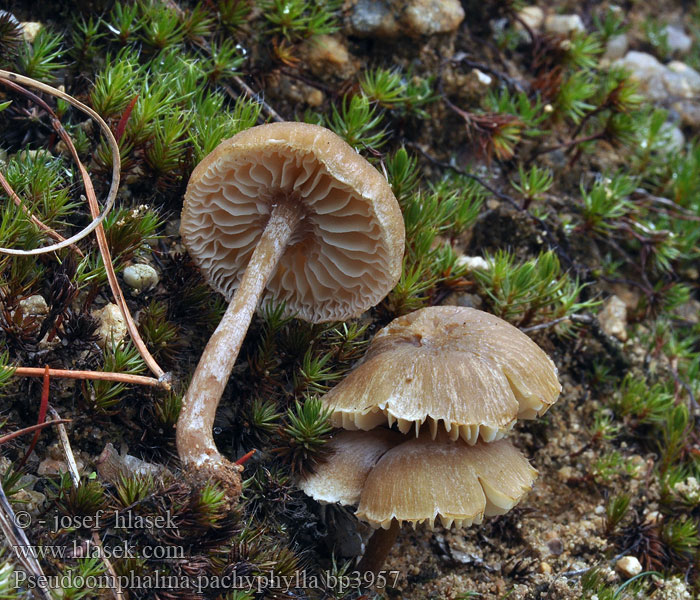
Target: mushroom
(470, 370)
(286, 210)
(393, 480)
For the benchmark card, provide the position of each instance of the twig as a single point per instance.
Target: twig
(75, 477)
(116, 591)
(93, 375)
(40, 224)
(65, 444)
(30, 429)
(40, 419)
(7, 78)
(248, 91)
(575, 318)
(22, 548)
(501, 196)
(94, 207)
(461, 57)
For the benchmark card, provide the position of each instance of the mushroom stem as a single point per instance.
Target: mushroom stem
(195, 441)
(378, 548)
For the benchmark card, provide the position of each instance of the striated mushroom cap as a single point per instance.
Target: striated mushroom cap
(346, 255)
(468, 369)
(425, 479)
(342, 477)
(421, 480)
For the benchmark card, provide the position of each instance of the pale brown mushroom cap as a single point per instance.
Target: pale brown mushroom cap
(468, 369)
(342, 477)
(346, 255)
(422, 480)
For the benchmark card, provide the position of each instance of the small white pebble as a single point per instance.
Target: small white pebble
(140, 277)
(629, 566)
(112, 327)
(473, 262)
(30, 29)
(34, 305)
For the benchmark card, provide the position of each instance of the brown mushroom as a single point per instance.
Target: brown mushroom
(418, 480)
(470, 370)
(286, 210)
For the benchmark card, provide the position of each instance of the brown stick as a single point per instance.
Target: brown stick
(378, 548)
(30, 429)
(40, 224)
(93, 375)
(94, 207)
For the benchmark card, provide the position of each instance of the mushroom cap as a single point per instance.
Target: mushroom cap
(342, 476)
(346, 254)
(425, 479)
(471, 370)
(421, 479)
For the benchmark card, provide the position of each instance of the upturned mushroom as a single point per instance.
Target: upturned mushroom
(457, 369)
(286, 210)
(394, 480)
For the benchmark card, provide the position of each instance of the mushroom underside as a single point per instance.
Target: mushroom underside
(334, 264)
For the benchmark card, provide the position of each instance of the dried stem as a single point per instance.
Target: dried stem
(17, 540)
(40, 224)
(30, 429)
(7, 78)
(42, 415)
(94, 207)
(65, 444)
(92, 375)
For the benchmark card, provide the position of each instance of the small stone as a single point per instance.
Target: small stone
(30, 500)
(51, 466)
(555, 546)
(532, 16)
(564, 24)
(315, 98)
(373, 18)
(687, 84)
(629, 566)
(330, 51)
(33, 306)
(30, 30)
(690, 311)
(482, 77)
(688, 111)
(545, 568)
(648, 72)
(616, 47)
(427, 17)
(566, 473)
(675, 140)
(140, 277)
(473, 262)
(613, 318)
(653, 518)
(677, 39)
(112, 329)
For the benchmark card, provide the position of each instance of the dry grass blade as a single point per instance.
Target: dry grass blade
(20, 545)
(45, 228)
(92, 375)
(8, 78)
(96, 224)
(75, 478)
(30, 429)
